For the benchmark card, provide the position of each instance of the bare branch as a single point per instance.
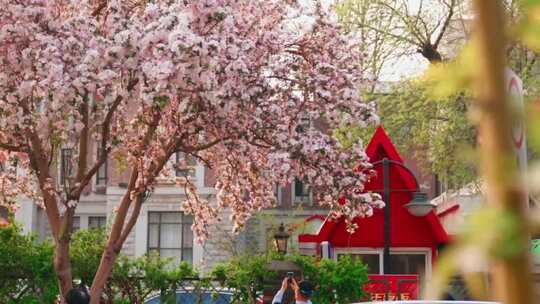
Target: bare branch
(446, 22)
(387, 33)
(419, 12)
(407, 21)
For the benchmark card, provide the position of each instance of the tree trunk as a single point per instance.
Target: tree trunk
(431, 53)
(103, 272)
(62, 267)
(120, 229)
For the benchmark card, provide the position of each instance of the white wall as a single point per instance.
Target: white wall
(26, 216)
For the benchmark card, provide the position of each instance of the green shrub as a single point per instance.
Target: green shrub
(336, 281)
(27, 274)
(133, 280)
(241, 272)
(86, 250)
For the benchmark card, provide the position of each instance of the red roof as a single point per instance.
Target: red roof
(381, 146)
(406, 229)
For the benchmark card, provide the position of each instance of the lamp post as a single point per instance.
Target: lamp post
(281, 267)
(280, 238)
(419, 205)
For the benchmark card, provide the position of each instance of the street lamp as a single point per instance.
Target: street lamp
(419, 205)
(281, 268)
(281, 237)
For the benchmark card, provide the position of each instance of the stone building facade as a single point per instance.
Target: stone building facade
(163, 227)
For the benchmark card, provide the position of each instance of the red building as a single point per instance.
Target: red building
(414, 241)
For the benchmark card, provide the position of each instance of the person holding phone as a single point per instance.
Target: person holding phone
(302, 291)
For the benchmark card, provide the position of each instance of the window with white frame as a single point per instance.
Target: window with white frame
(277, 194)
(301, 193)
(408, 261)
(97, 222)
(66, 168)
(186, 165)
(101, 174)
(371, 260)
(170, 235)
(39, 106)
(76, 223)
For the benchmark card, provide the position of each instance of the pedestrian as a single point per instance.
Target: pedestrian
(78, 296)
(302, 291)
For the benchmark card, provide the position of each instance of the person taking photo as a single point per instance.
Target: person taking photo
(302, 291)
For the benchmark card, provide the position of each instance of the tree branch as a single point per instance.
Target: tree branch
(38, 162)
(406, 21)
(446, 23)
(105, 137)
(100, 7)
(121, 214)
(387, 33)
(83, 145)
(189, 149)
(132, 219)
(139, 200)
(14, 148)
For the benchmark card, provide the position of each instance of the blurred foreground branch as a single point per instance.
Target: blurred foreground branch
(512, 282)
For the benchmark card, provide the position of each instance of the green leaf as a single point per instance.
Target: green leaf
(529, 3)
(160, 102)
(529, 27)
(448, 78)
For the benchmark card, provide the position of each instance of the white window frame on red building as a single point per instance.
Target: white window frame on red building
(393, 251)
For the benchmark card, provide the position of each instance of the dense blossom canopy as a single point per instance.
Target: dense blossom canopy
(228, 82)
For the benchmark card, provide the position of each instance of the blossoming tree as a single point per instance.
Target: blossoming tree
(227, 82)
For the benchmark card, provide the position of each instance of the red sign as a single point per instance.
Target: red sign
(390, 287)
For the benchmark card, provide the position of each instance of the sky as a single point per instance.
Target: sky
(405, 67)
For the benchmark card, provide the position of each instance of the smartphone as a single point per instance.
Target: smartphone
(290, 276)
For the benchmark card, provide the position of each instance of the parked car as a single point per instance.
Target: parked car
(429, 302)
(191, 296)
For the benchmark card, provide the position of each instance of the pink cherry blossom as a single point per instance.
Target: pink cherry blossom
(227, 82)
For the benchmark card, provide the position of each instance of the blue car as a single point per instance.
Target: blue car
(187, 297)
